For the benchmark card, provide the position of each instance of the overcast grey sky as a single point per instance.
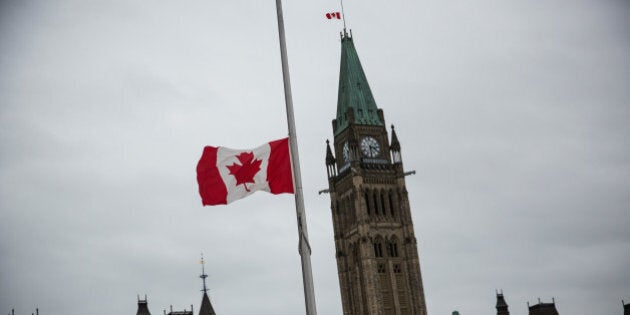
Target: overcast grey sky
(513, 113)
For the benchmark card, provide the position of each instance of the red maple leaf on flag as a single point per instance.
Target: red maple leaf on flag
(245, 172)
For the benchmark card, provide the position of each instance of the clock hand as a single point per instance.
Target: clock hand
(373, 150)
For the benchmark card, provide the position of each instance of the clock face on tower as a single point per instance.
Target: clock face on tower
(370, 147)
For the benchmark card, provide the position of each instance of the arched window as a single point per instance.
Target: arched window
(391, 204)
(381, 268)
(375, 203)
(392, 247)
(378, 248)
(367, 203)
(383, 209)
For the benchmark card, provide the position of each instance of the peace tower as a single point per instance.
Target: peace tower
(376, 250)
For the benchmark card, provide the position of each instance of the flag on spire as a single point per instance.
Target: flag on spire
(333, 15)
(225, 175)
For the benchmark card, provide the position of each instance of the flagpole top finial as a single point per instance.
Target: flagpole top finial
(203, 274)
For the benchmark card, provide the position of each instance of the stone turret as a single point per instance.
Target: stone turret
(502, 307)
(206, 307)
(143, 307)
(543, 308)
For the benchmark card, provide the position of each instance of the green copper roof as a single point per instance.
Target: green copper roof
(354, 90)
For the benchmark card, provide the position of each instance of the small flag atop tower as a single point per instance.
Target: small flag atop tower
(337, 15)
(333, 15)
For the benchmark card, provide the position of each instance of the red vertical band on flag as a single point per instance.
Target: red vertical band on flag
(279, 173)
(211, 187)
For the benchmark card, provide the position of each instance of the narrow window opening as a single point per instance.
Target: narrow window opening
(392, 249)
(381, 268)
(378, 249)
(374, 198)
(383, 210)
(397, 268)
(391, 205)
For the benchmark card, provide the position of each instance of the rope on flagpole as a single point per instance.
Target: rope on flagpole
(305, 253)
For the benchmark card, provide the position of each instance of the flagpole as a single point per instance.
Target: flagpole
(303, 248)
(343, 17)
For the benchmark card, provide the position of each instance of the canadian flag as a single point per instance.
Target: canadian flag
(333, 15)
(225, 175)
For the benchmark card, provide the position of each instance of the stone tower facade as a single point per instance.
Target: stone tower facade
(376, 249)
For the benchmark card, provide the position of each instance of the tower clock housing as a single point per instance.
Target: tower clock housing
(376, 248)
